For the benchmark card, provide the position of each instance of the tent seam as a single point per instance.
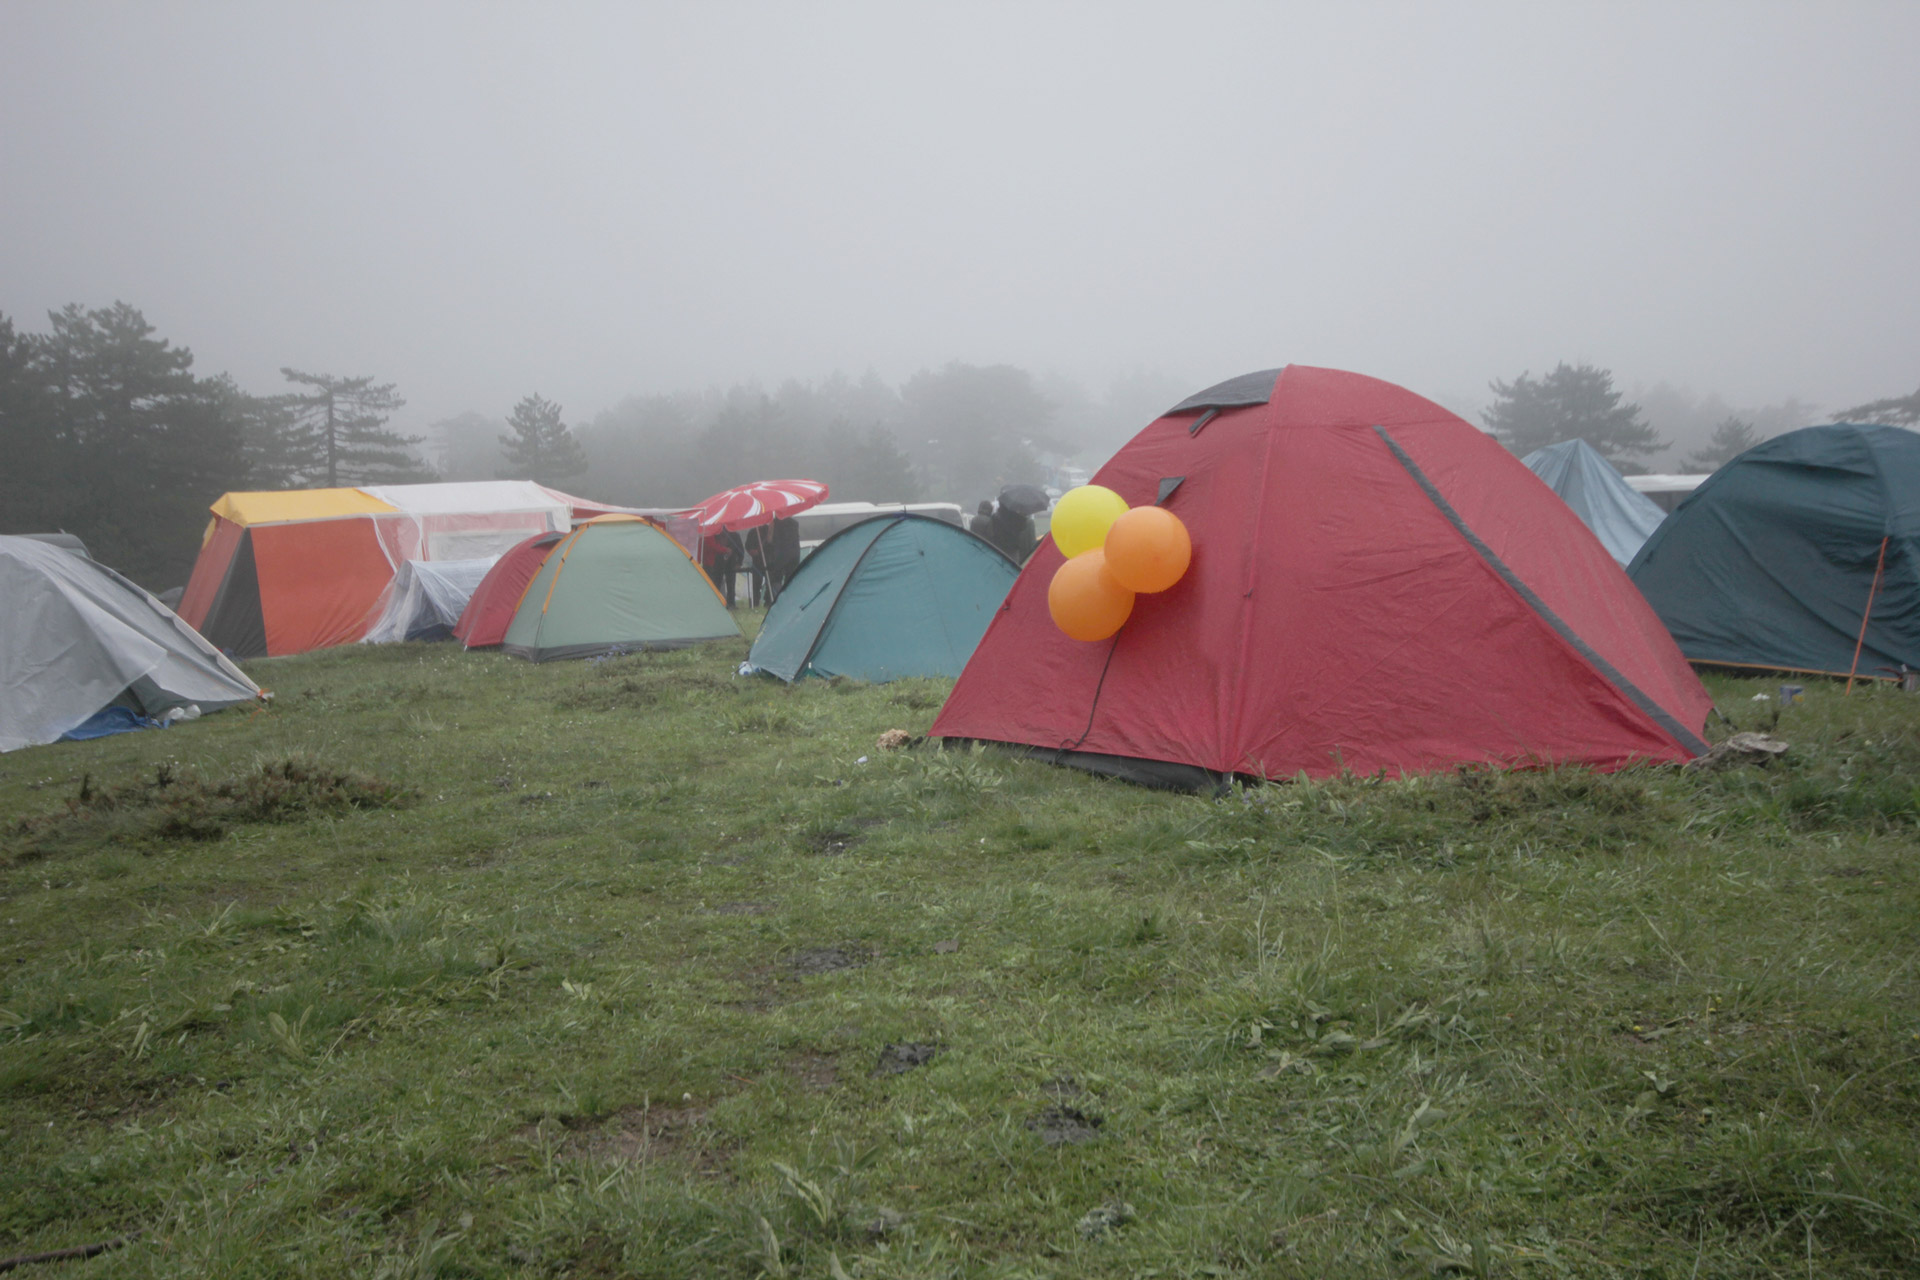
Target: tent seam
(1234, 740)
(846, 580)
(1657, 713)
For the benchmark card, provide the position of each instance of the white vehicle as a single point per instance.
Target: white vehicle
(1667, 491)
(817, 524)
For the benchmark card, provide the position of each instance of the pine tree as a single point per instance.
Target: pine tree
(34, 454)
(540, 447)
(864, 466)
(338, 433)
(140, 445)
(1573, 402)
(1900, 411)
(1731, 438)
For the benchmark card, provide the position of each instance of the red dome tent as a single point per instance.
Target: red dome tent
(1376, 586)
(483, 623)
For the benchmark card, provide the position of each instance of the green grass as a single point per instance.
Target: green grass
(446, 964)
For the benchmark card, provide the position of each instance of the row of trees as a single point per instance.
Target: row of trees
(107, 432)
(958, 432)
(1580, 402)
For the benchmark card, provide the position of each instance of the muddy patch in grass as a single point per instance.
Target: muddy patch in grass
(896, 1059)
(815, 1072)
(813, 960)
(678, 1135)
(1061, 1125)
(837, 839)
(175, 805)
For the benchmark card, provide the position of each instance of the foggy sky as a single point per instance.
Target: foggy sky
(588, 202)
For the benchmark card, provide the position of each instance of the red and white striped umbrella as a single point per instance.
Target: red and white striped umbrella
(747, 505)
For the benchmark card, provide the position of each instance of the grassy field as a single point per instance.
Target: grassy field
(446, 964)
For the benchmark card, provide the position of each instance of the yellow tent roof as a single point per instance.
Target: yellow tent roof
(288, 505)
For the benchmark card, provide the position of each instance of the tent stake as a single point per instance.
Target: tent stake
(1871, 592)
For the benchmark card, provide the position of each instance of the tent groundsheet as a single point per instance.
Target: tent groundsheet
(425, 599)
(895, 596)
(1376, 587)
(76, 638)
(1619, 516)
(1801, 554)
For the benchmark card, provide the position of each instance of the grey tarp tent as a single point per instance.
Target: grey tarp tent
(76, 638)
(425, 599)
(1620, 517)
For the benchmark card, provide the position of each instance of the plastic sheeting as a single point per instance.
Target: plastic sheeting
(464, 520)
(425, 599)
(1621, 518)
(76, 637)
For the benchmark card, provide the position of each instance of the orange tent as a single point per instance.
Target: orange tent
(290, 571)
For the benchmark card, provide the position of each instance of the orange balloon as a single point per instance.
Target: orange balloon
(1084, 599)
(1148, 549)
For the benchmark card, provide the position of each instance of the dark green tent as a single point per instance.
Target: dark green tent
(898, 595)
(616, 582)
(1783, 554)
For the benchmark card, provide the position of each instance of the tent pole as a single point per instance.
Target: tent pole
(1871, 592)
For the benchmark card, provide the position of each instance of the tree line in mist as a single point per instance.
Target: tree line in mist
(107, 432)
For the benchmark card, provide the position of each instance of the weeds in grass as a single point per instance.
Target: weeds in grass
(1484, 1023)
(174, 805)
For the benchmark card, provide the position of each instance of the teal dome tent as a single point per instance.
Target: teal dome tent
(899, 595)
(1801, 554)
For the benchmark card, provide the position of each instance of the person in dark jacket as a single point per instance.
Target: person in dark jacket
(1013, 534)
(982, 523)
(783, 553)
(720, 556)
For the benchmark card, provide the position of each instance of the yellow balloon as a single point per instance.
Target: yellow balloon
(1081, 518)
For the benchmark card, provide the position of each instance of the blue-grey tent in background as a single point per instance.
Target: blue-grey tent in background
(1621, 518)
(1801, 554)
(895, 596)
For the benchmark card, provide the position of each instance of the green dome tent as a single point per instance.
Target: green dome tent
(1801, 554)
(895, 596)
(617, 582)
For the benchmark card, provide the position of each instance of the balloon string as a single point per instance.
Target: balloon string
(1095, 706)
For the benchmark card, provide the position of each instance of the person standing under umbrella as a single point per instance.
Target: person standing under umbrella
(783, 553)
(720, 555)
(1013, 533)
